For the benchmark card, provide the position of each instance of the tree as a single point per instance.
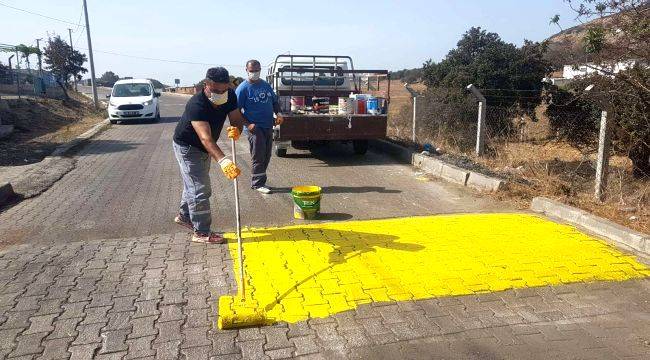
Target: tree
(483, 59)
(108, 79)
(619, 33)
(26, 51)
(63, 62)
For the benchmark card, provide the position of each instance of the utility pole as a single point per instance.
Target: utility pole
(90, 57)
(74, 77)
(40, 65)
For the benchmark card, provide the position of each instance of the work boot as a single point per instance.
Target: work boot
(208, 238)
(183, 221)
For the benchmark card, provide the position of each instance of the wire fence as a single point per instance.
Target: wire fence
(556, 150)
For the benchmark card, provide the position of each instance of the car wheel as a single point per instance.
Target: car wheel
(113, 122)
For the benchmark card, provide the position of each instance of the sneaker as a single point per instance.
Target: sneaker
(208, 238)
(183, 221)
(263, 189)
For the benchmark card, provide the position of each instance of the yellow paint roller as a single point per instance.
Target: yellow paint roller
(239, 311)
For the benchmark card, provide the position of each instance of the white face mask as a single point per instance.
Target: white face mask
(219, 99)
(254, 76)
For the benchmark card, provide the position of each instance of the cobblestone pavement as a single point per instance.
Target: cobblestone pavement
(94, 268)
(155, 297)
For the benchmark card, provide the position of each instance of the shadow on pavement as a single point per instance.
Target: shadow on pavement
(345, 190)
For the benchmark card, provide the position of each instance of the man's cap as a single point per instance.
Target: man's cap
(218, 74)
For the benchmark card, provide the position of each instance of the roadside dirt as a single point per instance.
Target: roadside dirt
(41, 124)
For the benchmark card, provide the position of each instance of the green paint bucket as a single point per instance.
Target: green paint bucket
(306, 202)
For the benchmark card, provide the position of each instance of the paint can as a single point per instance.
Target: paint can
(372, 105)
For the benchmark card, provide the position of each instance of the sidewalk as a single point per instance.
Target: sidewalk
(156, 297)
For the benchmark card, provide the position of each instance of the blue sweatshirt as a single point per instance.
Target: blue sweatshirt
(257, 102)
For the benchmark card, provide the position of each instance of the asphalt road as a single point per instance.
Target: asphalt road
(126, 183)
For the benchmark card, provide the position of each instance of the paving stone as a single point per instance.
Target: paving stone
(167, 350)
(171, 313)
(64, 328)
(28, 345)
(280, 353)
(83, 352)
(169, 331)
(114, 341)
(224, 343)
(88, 334)
(119, 320)
(56, 349)
(195, 337)
(140, 347)
(143, 327)
(8, 338)
(198, 353)
(276, 338)
(252, 349)
(305, 344)
(40, 324)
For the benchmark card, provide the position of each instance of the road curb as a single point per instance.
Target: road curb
(619, 234)
(61, 150)
(454, 174)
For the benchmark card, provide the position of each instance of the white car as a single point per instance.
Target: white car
(133, 99)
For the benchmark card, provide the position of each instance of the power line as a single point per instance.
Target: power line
(41, 15)
(163, 60)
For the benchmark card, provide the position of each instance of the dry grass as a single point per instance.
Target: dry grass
(41, 124)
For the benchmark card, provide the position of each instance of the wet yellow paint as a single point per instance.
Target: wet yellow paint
(298, 272)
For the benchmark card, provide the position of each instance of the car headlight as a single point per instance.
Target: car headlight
(110, 103)
(147, 103)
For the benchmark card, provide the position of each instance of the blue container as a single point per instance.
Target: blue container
(372, 106)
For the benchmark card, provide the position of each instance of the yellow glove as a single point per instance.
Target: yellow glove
(279, 120)
(229, 168)
(233, 132)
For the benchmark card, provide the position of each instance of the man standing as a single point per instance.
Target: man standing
(258, 102)
(195, 144)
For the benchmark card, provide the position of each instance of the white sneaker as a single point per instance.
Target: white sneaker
(263, 190)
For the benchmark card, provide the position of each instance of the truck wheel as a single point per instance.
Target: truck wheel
(280, 152)
(360, 146)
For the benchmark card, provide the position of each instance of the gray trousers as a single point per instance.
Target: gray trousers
(261, 146)
(195, 201)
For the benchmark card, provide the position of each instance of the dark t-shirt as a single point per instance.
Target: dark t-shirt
(199, 108)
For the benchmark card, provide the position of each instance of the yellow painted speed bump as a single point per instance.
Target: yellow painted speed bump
(295, 273)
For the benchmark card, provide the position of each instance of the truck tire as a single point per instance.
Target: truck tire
(280, 152)
(360, 146)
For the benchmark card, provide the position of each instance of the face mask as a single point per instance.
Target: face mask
(219, 99)
(254, 76)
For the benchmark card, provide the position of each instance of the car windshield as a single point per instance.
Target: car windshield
(130, 90)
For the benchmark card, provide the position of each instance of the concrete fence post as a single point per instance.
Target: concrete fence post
(602, 164)
(480, 129)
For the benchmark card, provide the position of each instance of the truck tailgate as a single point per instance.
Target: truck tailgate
(332, 127)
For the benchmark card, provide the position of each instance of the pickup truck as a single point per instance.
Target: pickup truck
(317, 78)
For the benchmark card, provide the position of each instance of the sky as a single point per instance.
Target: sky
(377, 34)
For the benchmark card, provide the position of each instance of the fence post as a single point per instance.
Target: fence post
(602, 163)
(415, 112)
(480, 129)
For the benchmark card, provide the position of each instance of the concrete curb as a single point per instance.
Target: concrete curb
(65, 148)
(619, 234)
(454, 174)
